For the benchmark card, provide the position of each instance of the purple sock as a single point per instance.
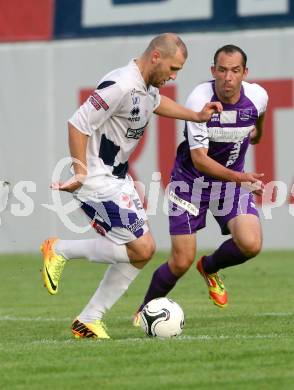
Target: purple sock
(163, 280)
(227, 255)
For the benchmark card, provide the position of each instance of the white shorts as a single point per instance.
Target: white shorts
(121, 218)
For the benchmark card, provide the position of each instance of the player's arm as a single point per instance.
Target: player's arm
(208, 166)
(86, 120)
(171, 109)
(257, 132)
(78, 146)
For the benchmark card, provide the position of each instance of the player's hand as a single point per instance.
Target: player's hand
(70, 185)
(210, 108)
(252, 182)
(254, 137)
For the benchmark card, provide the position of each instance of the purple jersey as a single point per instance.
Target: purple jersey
(226, 134)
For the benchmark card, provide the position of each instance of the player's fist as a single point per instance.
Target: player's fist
(71, 185)
(252, 182)
(208, 110)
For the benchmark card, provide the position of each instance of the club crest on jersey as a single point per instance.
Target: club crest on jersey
(245, 114)
(135, 133)
(135, 98)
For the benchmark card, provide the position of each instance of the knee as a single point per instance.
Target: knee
(180, 263)
(250, 246)
(147, 250)
(141, 251)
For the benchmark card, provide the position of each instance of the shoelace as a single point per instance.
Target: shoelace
(219, 282)
(58, 268)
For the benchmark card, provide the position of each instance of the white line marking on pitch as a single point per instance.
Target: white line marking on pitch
(180, 338)
(54, 319)
(273, 314)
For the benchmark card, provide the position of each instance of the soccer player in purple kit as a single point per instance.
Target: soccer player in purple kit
(207, 175)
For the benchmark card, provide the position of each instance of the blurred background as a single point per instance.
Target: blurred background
(53, 53)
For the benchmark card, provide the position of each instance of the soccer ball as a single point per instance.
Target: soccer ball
(162, 317)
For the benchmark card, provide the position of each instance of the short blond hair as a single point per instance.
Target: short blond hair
(167, 44)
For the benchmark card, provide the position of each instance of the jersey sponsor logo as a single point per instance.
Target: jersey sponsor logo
(228, 117)
(228, 134)
(234, 154)
(245, 114)
(215, 118)
(97, 101)
(136, 225)
(135, 133)
(191, 208)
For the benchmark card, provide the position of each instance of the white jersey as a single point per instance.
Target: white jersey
(114, 117)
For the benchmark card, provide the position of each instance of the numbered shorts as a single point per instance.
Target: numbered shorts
(186, 215)
(122, 219)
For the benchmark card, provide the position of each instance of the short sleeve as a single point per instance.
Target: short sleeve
(155, 96)
(264, 101)
(197, 133)
(99, 107)
(258, 95)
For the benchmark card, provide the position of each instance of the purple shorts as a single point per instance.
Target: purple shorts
(189, 203)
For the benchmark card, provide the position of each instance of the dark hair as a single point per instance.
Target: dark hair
(231, 49)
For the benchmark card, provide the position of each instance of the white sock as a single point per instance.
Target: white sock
(100, 250)
(115, 282)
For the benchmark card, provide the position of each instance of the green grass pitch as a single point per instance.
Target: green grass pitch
(248, 345)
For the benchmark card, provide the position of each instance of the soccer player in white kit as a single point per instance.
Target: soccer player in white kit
(103, 133)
